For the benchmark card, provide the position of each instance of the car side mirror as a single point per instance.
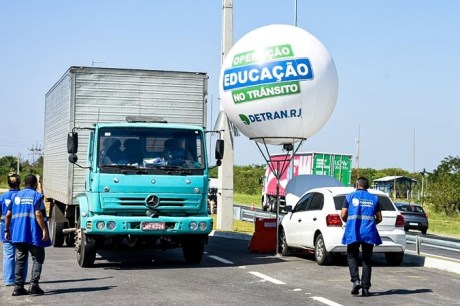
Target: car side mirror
(288, 208)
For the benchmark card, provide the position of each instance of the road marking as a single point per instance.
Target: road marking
(325, 301)
(225, 261)
(267, 278)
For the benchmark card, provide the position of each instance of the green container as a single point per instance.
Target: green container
(336, 165)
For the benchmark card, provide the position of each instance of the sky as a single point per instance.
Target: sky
(398, 66)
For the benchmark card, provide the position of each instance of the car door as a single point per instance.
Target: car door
(292, 222)
(389, 214)
(313, 219)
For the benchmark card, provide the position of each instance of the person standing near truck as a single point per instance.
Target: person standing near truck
(361, 212)
(6, 200)
(29, 233)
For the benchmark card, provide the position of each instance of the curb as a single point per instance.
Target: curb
(231, 235)
(435, 262)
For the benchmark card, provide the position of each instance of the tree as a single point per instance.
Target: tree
(444, 186)
(247, 179)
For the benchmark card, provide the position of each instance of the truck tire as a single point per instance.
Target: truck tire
(86, 249)
(322, 256)
(193, 250)
(70, 240)
(56, 234)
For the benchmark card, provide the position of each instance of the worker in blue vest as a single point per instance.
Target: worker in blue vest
(361, 211)
(9, 251)
(29, 233)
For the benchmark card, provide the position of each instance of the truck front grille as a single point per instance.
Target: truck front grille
(133, 202)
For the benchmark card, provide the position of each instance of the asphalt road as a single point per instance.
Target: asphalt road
(230, 275)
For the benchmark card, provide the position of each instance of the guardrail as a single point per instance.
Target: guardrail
(244, 213)
(249, 215)
(438, 242)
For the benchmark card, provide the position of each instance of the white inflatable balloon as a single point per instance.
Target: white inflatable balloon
(278, 84)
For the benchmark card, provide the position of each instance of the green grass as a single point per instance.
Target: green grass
(441, 224)
(239, 226)
(248, 199)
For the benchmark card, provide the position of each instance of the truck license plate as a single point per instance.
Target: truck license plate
(153, 226)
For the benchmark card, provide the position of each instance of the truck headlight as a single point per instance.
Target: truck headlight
(203, 226)
(111, 225)
(192, 226)
(100, 225)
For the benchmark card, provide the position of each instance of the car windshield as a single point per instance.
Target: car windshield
(385, 203)
(159, 149)
(410, 208)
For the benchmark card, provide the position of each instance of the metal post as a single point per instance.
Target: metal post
(225, 171)
(417, 244)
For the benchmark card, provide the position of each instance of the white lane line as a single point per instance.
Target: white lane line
(325, 301)
(223, 260)
(267, 278)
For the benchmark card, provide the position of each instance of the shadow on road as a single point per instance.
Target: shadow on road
(80, 289)
(401, 291)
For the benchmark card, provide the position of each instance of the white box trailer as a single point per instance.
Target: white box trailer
(84, 96)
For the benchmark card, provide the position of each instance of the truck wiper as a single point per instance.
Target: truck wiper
(120, 166)
(125, 167)
(174, 170)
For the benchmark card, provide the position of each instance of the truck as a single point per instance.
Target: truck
(108, 174)
(320, 163)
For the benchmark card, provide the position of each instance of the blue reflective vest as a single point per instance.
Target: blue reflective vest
(24, 225)
(361, 224)
(5, 201)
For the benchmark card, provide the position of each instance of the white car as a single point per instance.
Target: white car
(313, 223)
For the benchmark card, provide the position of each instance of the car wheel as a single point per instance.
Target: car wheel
(322, 256)
(284, 249)
(424, 231)
(394, 259)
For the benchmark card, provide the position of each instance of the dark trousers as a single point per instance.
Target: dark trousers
(38, 257)
(353, 262)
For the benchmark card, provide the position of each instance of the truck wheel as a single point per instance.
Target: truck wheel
(322, 256)
(56, 234)
(193, 250)
(86, 249)
(70, 240)
(394, 259)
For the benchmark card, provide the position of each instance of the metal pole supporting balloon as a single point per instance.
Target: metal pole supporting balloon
(278, 172)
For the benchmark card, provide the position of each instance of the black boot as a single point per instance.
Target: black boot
(36, 290)
(366, 292)
(356, 287)
(19, 291)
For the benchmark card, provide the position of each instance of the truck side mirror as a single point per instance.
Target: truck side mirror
(219, 153)
(72, 142)
(73, 158)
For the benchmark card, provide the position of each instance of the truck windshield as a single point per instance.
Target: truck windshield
(148, 148)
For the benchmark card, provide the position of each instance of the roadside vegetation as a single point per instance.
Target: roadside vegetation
(440, 197)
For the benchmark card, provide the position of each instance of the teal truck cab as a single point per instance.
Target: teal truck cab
(146, 184)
